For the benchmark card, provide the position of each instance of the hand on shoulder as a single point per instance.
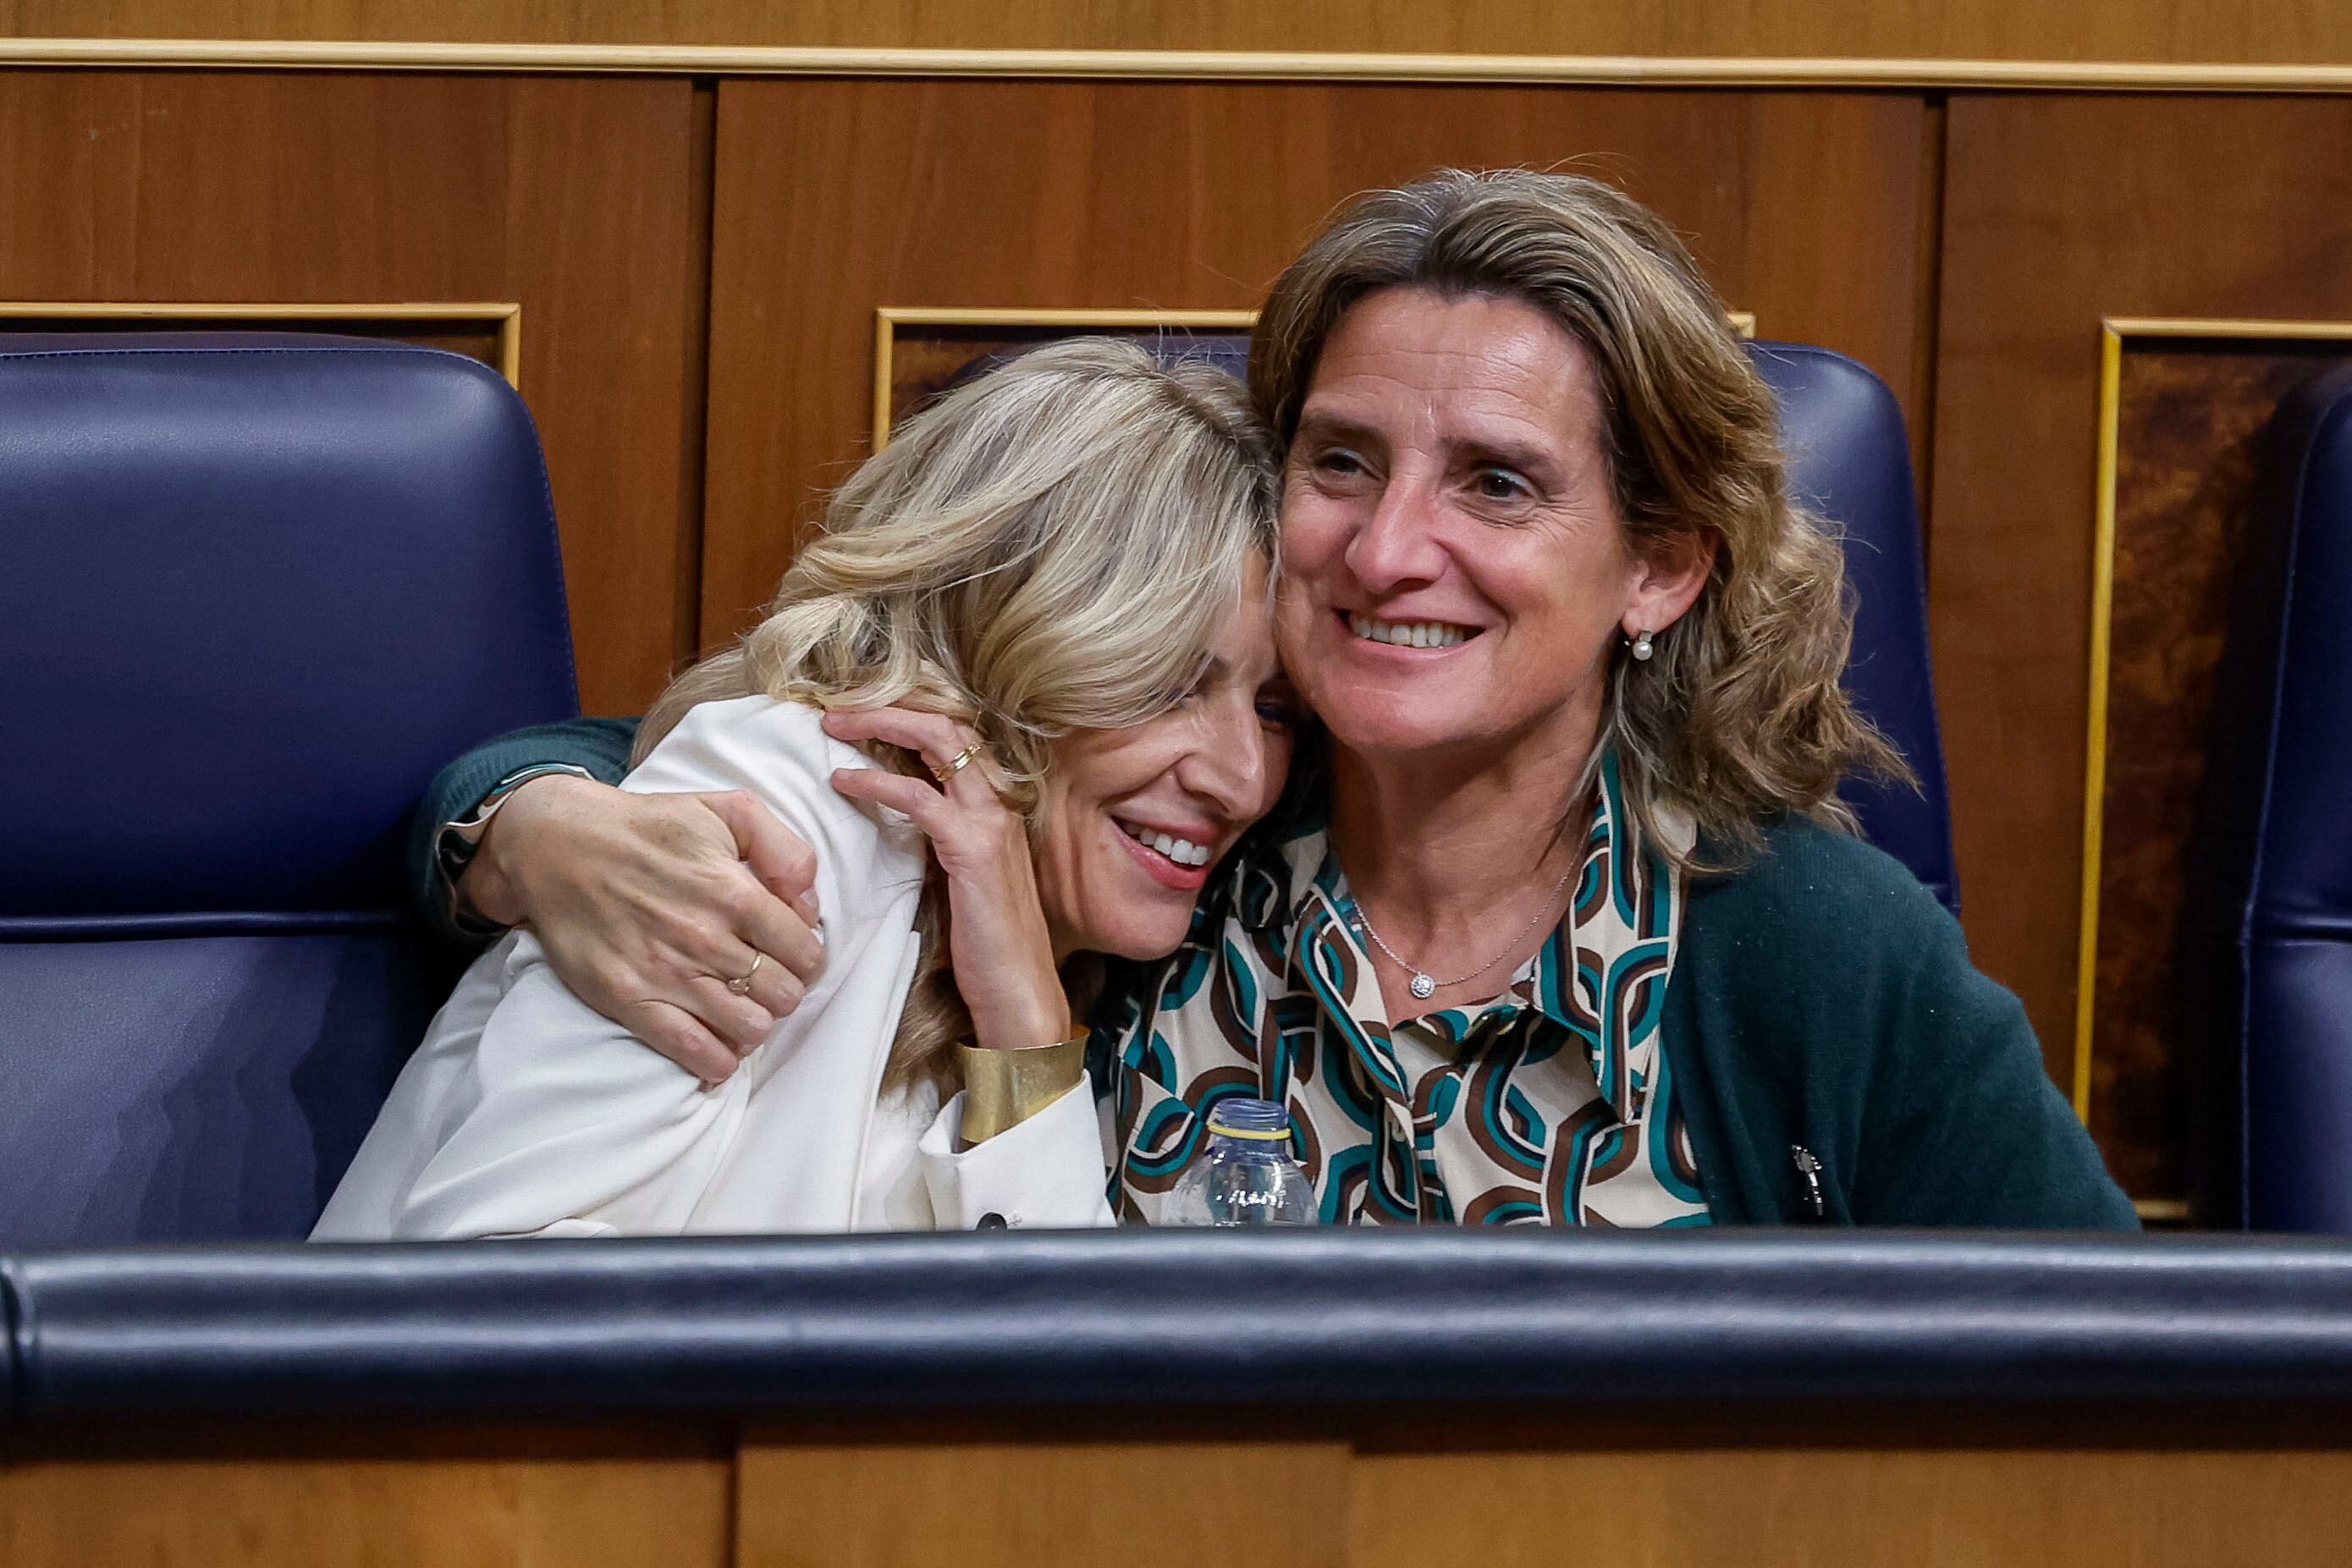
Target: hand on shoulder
(648, 902)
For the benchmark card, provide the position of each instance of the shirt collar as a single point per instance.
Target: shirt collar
(1293, 880)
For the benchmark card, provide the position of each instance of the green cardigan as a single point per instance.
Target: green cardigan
(1822, 1001)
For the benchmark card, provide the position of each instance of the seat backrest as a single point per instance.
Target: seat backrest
(1849, 460)
(2266, 945)
(254, 590)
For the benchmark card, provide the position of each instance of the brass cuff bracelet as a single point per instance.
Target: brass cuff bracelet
(1005, 1088)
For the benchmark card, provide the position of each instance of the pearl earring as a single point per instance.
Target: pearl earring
(1641, 648)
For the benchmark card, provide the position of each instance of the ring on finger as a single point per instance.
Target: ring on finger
(956, 764)
(741, 984)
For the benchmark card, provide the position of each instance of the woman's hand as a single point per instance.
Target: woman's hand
(998, 942)
(647, 905)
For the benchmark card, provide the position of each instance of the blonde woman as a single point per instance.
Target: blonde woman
(1044, 612)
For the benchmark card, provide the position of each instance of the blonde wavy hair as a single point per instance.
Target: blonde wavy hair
(1052, 546)
(1739, 715)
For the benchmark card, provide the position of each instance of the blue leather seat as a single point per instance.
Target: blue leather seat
(254, 589)
(2266, 952)
(1849, 460)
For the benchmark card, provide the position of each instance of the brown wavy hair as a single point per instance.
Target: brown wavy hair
(1739, 715)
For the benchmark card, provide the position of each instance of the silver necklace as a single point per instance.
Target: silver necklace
(1424, 983)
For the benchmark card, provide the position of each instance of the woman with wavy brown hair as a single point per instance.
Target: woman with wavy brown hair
(1584, 936)
(1565, 923)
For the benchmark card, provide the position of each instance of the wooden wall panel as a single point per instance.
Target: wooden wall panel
(453, 1497)
(2176, 31)
(569, 195)
(1166, 1504)
(1322, 1505)
(1851, 1488)
(2193, 446)
(1935, 1508)
(835, 197)
(2059, 211)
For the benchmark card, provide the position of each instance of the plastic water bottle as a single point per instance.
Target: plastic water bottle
(1246, 1175)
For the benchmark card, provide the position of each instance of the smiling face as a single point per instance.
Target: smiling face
(1134, 818)
(1456, 570)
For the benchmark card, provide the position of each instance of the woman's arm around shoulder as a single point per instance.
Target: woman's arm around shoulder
(560, 1120)
(598, 747)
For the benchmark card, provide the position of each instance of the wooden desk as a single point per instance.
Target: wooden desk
(1839, 1489)
(1147, 1399)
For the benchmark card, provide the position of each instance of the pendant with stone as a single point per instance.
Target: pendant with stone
(1423, 984)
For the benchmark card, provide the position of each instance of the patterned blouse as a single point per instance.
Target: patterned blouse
(1549, 1104)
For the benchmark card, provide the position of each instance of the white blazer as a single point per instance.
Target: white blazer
(525, 1113)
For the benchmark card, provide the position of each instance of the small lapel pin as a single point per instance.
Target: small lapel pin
(1809, 1171)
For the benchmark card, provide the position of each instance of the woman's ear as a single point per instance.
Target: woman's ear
(1667, 577)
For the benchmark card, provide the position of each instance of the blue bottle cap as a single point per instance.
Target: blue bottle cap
(1260, 1120)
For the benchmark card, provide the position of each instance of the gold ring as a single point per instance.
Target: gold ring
(955, 764)
(741, 984)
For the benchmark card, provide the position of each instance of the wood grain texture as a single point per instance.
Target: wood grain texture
(453, 1499)
(1852, 1488)
(568, 195)
(2190, 449)
(2298, 31)
(835, 197)
(2059, 211)
(1850, 1508)
(1047, 1505)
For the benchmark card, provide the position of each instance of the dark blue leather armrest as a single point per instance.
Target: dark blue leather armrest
(1321, 1319)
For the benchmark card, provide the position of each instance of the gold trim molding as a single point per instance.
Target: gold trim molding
(506, 317)
(889, 318)
(2114, 332)
(696, 59)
